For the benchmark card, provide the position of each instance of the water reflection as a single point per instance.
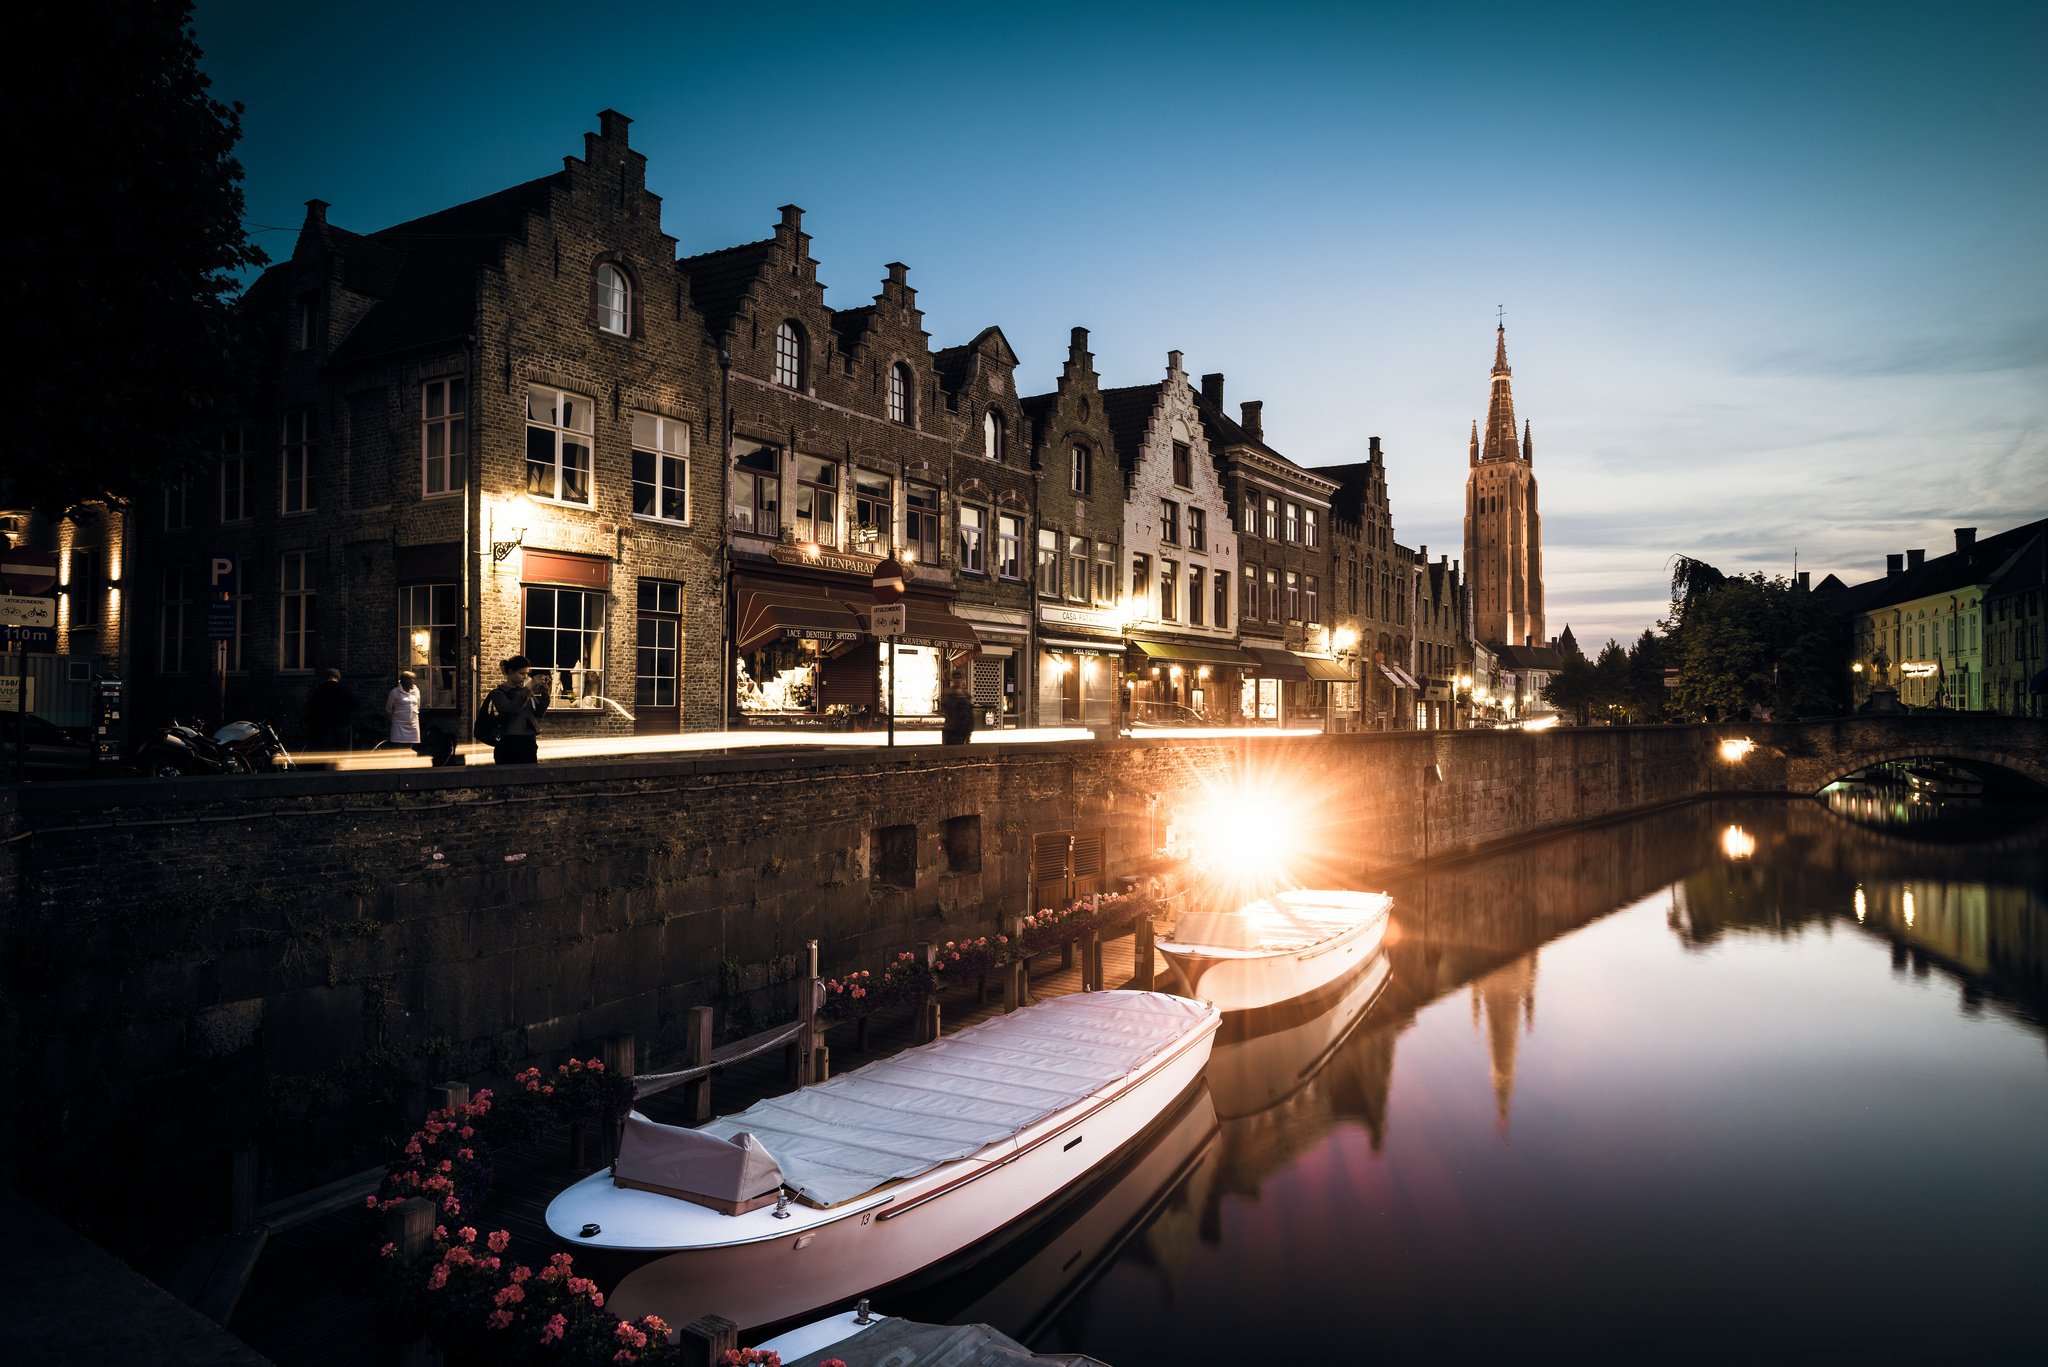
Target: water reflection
(1718, 1077)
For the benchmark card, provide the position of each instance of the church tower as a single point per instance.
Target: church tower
(1503, 534)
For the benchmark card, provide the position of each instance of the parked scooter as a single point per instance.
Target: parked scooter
(240, 747)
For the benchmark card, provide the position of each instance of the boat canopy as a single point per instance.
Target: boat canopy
(900, 1116)
(722, 1173)
(1282, 923)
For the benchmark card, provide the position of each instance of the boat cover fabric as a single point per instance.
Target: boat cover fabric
(1281, 924)
(938, 1345)
(671, 1158)
(907, 1114)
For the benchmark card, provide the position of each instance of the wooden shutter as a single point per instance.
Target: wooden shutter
(1086, 865)
(1049, 872)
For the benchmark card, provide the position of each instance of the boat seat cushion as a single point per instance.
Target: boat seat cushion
(732, 1175)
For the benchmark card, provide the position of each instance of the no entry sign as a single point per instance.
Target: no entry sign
(27, 572)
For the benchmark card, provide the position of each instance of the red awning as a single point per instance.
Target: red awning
(768, 610)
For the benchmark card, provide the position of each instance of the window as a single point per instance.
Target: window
(444, 437)
(921, 521)
(973, 535)
(1077, 568)
(1272, 594)
(557, 445)
(614, 300)
(1270, 520)
(756, 489)
(295, 482)
(86, 583)
(1248, 597)
(1311, 599)
(1195, 587)
(1293, 522)
(874, 507)
(1250, 524)
(817, 501)
(1169, 522)
(1351, 584)
(993, 434)
(660, 637)
(172, 609)
(1310, 532)
(177, 504)
(234, 474)
(294, 612)
(899, 393)
(963, 844)
(1141, 577)
(1082, 480)
(1183, 465)
(1048, 566)
(564, 638)
(305, 316)
(1105, 573)
(1198, 529)
(661, 471)
(895, 857)
(429, 640)
(1293, 596)
(789, 356)
(1009, 546)
(1169, 591)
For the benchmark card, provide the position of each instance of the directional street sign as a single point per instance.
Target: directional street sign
(20, 610)
(29, 636)
(28, 572)
(889, 619)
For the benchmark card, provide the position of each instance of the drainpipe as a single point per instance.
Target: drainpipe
(728, 596)
(469, 610)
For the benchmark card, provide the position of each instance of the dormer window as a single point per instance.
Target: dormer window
(899, 393)
(789, 356)
(992, 434)
(614, 301)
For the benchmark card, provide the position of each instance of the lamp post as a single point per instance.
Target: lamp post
(1462, 702)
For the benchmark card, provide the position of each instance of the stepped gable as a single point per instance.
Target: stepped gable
(719, 281)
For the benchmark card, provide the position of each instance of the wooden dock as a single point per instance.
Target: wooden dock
(305, 1303)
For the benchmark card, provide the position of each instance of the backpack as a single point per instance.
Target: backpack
(489, 727)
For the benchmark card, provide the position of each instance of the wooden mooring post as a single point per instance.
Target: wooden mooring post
(1091, 962)
(1142, 954)
(620, 1058)
(810, 994)
(698, 1025)
(409, 1228)
(705, 1340)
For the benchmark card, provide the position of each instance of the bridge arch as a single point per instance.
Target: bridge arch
(1820, 753)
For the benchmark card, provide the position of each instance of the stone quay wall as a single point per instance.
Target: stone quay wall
(292, 960)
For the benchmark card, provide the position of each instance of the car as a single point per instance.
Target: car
(51, 753)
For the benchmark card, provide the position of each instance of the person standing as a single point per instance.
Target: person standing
(513, 709)
(402, 706)
(330, 713)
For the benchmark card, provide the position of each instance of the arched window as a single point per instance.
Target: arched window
(899, 393)
(992, 434)
(614, 300)
(789, 355)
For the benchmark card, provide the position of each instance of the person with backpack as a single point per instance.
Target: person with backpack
(509, 719)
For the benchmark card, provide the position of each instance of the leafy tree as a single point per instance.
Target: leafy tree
(1745, 644)
(126, 247)
(1610, 682)
(1647, 661)
(1571, 689)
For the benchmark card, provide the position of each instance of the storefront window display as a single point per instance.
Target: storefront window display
(779, 677)
(918, 671)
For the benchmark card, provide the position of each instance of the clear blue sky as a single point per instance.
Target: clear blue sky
(1774, 275)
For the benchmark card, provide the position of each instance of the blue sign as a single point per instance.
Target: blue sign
(220, 621)
(221, 573)
(30, 636)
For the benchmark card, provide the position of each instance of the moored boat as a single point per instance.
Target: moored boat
(813, 1198)
(1280, 947)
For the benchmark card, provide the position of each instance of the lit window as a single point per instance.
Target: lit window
(756, 489)
(1272, 595)
(295, 482)
(1311, 599)
(1009, 546)
(1077, 568)
(1141, 577)
(558, 427)
(921, 521)
(789, 356)
(973, 531)
(817, 501)
(1309, 530)
(1048, 566)
(874, 505)
(444, 437)
(1105, 573)
(1293, 522)
(661, 470)
(428, 640)
(614, 300)
(1293, 596)
(1272, 517)
(992, 435)
(564, 639)
(294, 612)
(899, 393)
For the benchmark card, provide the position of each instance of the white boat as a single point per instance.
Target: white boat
(883, 1339)
(1277, 948)
(828, 1193)
(1262, 1058)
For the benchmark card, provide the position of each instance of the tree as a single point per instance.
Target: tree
(1647, 660)
(126, 248)
(1745, 644)
(1571, 689)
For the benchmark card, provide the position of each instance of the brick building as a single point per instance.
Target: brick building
(847, 442)
(1077, 549)
(1377, 588)
(475, 440)
(1439, 640)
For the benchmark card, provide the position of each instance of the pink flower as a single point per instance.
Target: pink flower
(438, 1278)
(387, 1250)
(553, 1332)
(623, 1355)
(654, 1324)
(371, 1203)
(441, 1233)
(500, 1319)
(630, 1335)
(499, 1238)
(520, 1274)
(510, 1295)
(467, 1234)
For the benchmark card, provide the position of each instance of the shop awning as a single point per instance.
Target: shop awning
(768, 611)
(1081, 645)
(1398, 677)
(1196, 653)
(927, 624)
(1324, 668)
(1279, 664)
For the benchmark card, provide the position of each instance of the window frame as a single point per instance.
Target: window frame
(300, 445)
(451, 425)
(559, 434)
(762, 515)
(579, 676)
(815, 527)
(612, 301)
(1047, 564)
(1141, 578)
(923, 525)
(864, 505)
(995, 435)
(1183, 465)
(1292, 597)
(1081, 470)
(1169, 590)
(174, 599)
(1290, 521)
(1009, 546)
(667, 460)
(792, 356)
(1198, 527)
(1197, 588)
(660, 613)
(1104, 584)
(1169, 522)
(1078, 585)
(971, 522)
(438, 681)
(178, 503)
(295, 604)
(902, 393)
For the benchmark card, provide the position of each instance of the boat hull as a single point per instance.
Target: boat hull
(1246, 982)
(921, 1222)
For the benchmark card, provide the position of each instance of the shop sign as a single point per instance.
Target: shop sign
(1097, 619)
(819, 558)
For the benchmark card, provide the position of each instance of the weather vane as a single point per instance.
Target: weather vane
(1500, 315)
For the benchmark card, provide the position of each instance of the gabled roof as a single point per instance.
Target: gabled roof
(852, 325)
(1352, 480)
(1949, 573)
(719, 281)
(1529, 657)
(955, 364)
(1225, 430)
(1128, 412)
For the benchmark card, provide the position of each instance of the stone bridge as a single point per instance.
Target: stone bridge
(1804, 757)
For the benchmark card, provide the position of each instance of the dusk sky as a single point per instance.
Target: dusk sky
(1774, 276)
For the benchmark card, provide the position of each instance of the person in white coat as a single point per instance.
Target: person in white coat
(402, 705)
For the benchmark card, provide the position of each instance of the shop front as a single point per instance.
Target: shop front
(1186, 682)
(997, 677)
(1080, 666)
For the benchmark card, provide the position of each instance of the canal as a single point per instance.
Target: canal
(1745, 1079)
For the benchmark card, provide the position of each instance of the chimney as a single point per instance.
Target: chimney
(1173, 363)
(1806, 581)
(1252, 417)
(316, 213)
(611, 126)
(1894, 565)
(792, 218)
(1423, 556)
(1372, 448)
(899, 274)
(1212, 390)
(1966, 540)
(1916, 558)
(1077, 343)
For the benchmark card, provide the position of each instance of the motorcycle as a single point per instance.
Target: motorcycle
(240, 747)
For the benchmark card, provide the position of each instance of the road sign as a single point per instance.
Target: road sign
(10, 694)
(28, 572)
(220, 621)
(221, 573)
(889, 620)
(20, 610)
(1671, 678)
(890, 581)
(29, 636)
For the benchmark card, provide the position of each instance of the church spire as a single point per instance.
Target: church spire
(1528, 447)
(1501, 437)
(1475, 441)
